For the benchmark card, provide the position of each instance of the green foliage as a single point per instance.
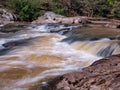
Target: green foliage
(117, 12)
(100, 8)
(113, 2)
(59, 11)
(96, 7)
(27, 10)
(101, 11)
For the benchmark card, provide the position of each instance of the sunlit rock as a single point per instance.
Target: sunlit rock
(101, 75)
(6, 16)
(50, 17)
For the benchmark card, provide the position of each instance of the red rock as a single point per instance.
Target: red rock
(103, 74)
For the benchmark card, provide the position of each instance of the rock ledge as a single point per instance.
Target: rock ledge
(101, 75)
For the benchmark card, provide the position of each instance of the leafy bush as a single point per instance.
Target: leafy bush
(91, 7)
(117, 12)
(27, 10)
(59, 11)
(101, 10)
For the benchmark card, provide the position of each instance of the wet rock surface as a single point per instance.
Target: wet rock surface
(101, 75)
(13, 27)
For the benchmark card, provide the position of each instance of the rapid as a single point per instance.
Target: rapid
(32, 54)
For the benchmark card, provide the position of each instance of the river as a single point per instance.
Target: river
(31, 54)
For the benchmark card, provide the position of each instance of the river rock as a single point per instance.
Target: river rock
(6, 16)
(113, 25)
(109, 23)
(50, 17)
(103, 74)
(13, 27)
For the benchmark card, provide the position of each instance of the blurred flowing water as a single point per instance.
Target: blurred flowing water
(31, 54)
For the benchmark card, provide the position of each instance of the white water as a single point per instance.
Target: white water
(45, 56)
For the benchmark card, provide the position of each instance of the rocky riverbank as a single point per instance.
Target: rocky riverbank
(6, 16)
(50, 17)
(101, 75)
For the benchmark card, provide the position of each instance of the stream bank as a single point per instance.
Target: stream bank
(103, 74)
(30, 54)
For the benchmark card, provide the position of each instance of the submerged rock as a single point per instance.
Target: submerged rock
(101, 75)
(13, 27)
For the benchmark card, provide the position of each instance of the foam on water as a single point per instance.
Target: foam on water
(2, 41)
(1, 25)
(107, 46)
(70, 58)
(41, 28)
(74, 59)
(51, 27)
(46, 56)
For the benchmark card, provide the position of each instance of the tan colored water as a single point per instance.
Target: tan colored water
(27, 66)
(92, 47)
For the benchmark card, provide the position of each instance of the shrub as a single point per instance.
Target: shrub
(101, 10)
(59, 11)
(27, 10)
(117, 12)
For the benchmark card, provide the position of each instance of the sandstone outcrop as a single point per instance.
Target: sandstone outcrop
(103, 74)
(109, 23)
(6, 16)
(50, 17)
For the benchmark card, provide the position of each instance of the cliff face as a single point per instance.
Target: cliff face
(101, 75)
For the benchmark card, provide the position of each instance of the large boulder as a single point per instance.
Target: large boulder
(50, 17)
(6, 16)
(103, 74)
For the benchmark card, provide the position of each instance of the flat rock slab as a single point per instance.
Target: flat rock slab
(103, 74)
(50, 17)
